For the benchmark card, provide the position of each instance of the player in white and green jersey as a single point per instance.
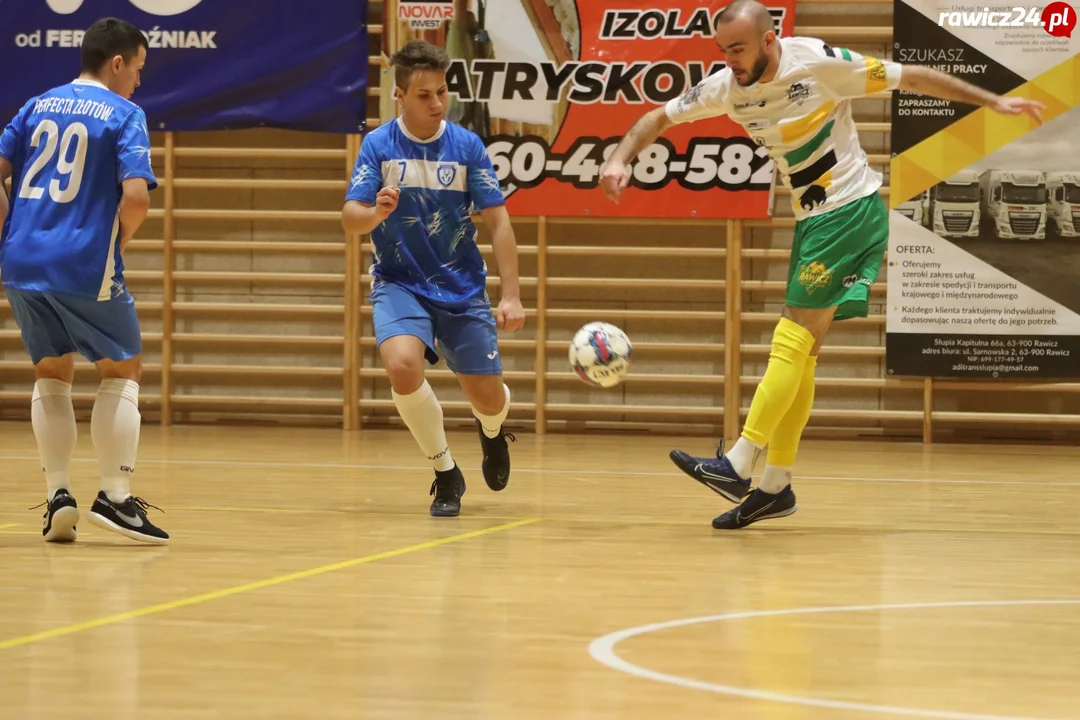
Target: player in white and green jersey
(792, 96)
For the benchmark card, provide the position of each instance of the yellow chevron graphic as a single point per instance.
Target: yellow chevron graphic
(982, 132)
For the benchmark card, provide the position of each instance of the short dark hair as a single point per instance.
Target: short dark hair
(107, 38)
(417, 55)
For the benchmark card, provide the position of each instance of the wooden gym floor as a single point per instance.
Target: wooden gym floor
(306, 580)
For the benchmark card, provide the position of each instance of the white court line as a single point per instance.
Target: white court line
(603, 651)
(624, 473)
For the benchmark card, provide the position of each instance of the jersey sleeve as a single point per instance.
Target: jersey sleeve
(367, 176)
(133, 150)
(708, 99)
(848, 74)
(10, 138)
(483, 182)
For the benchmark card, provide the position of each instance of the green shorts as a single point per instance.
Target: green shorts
(835, 258)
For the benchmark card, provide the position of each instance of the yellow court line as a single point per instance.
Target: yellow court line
(376, 513)
(218, 594)
(662, 522)
(9, 525)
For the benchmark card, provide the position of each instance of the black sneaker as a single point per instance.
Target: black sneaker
(61, 515)
(715, 473)
(758, 505)
(496, 463)
(127, 518)
(448, 487)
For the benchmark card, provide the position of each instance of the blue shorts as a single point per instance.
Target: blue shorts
(54, 325)
(467, 337)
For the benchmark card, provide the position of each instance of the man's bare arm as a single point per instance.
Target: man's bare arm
(509, 314)
(614, 177)
(644, 132)
(6, 170)
(360, 218)
(927, 81)
(134, 205)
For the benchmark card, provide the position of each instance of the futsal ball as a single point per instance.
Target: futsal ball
(600, 354)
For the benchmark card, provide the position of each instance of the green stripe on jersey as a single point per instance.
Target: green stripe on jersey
(800, 154)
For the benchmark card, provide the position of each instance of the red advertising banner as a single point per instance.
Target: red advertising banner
(552, 85)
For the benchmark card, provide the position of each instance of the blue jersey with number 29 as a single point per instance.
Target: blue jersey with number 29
(71, 148)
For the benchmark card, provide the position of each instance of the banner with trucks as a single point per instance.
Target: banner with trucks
(984, 250)
(1063, 203)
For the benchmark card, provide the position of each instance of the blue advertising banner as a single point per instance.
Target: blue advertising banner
(211, 65)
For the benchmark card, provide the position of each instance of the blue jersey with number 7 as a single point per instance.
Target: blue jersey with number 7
(71, 148)
(428, 244)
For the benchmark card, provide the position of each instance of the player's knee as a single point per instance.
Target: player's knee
(406, 373)
(485, 392)
(124, 370)
(58, 368)
(814, 321)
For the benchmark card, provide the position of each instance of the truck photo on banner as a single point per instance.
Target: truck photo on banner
(211, 64)
(984, 268)
(552, 85)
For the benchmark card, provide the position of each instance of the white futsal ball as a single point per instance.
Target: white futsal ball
(600, 354)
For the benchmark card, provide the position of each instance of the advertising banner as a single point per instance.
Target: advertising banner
(983, 274)
(211, 64)
(553, 85)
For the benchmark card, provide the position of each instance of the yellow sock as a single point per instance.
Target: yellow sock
(784, 445)
(791, 347)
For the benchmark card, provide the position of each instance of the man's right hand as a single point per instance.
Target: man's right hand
(614, 178)
(386, 201)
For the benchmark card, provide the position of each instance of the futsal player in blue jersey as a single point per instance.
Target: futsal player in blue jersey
(79, 161)
(416, 184)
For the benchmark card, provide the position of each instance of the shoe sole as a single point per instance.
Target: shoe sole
(771, 516)
(63, 529)
(106, 524)
(687, 464)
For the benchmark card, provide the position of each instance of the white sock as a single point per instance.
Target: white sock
(775, 479)
(114, 426)
(424, 417)
(53, 419)
(492, 424)
(743, 457)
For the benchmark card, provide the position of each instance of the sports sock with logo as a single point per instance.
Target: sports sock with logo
(53, 419)
(114, 427)
(492, 424)
(422, 414)
(743, 456)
